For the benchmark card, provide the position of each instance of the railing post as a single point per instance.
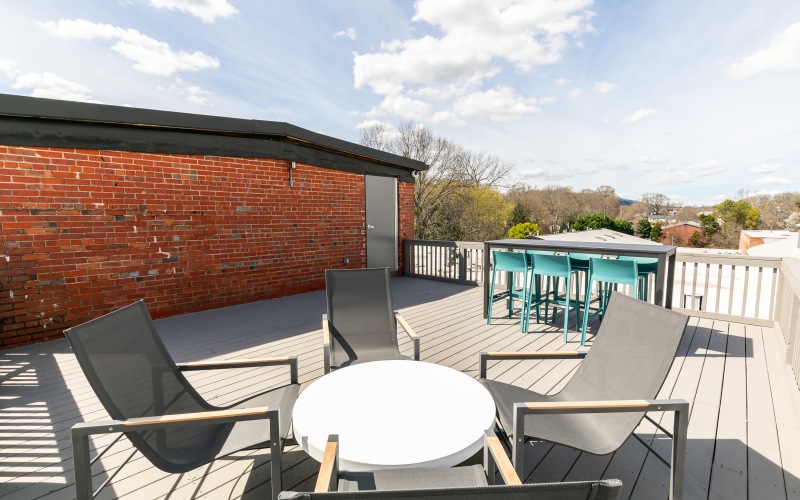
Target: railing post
(406, 257)
(462, 262)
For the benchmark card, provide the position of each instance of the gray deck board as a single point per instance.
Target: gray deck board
(744, 433)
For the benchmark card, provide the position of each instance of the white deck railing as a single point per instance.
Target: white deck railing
(755, 290)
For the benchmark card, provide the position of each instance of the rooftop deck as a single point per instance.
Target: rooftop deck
(744, 431)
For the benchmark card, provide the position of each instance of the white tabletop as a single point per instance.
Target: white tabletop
(394, 414)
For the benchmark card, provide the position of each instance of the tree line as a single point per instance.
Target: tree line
(459, 198)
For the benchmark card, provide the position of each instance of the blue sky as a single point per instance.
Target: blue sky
(695, 100)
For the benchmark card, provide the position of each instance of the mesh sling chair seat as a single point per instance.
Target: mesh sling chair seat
(361, 325)
(608, 395)
(473, 482)
(154, 405)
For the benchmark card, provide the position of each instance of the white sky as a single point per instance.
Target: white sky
(694, 100)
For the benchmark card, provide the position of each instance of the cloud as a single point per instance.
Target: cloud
(477, 40)
(597, 88)
(656, 160)
(772, 180)
(639, 115)
(348, 33)
(207, 10)
(562, 81)
(766, 168)
(47, 85)
(500, 104)
(148, 55)
(781, 55)
(192, 93)
(688, 174)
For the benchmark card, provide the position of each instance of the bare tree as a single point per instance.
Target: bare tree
(450, 168)
(657, 203)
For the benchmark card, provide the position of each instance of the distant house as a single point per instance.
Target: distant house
(784, 247)
(750, 239)
(661, 219)
(678, 234)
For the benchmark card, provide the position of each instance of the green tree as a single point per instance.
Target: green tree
(698, 240)
(737, 214)
(519, 214)
(598, 220)
(643, 228)
(709, 224)
(474, 213)
(655, 231)
(524, 230)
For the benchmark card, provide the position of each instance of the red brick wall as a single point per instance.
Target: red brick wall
(677, 235)
(84, 232)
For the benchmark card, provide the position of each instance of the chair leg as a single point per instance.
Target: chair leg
(491, 301)
(567, 286)
(678, 461)
(586, 298)
(276, 448)
(83, 471)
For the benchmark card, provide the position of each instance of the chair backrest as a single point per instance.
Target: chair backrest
(632, 353)
(579, 490)
(551, 265)
(515, 262)
(644, 264)
(623, 272)
(133, 375)
(361, 314)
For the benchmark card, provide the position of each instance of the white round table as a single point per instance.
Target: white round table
(394, 414)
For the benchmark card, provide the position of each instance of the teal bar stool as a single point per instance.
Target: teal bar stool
(535, 287)
(646, 266)
(557, 267)
(580, 262)
(608, 273)
(513, 263)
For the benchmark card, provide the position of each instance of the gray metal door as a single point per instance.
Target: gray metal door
(381, 194)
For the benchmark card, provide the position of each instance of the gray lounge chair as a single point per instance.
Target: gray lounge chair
(154, 405)
(610, 392)
(463, 483)
(360, 325)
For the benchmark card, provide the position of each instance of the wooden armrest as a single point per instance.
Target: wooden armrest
(485, 357)
(161, 421)
(328, 476)
(406, 327)
(410, 332)
(244, 363)
(326, 331)
(609, 406)
(501, 460)
(234, 363)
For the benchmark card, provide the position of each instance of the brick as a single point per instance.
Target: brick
(86, 231)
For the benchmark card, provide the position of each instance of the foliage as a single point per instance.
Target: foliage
(698, 240)
(524, 230)
(737, 213)
(709, 224)
(451, 168)
(518, 215)
(474, 213)
(655, 231)
(643, 228)
(598, 220)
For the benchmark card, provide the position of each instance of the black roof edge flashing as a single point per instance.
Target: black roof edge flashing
(33, 121)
